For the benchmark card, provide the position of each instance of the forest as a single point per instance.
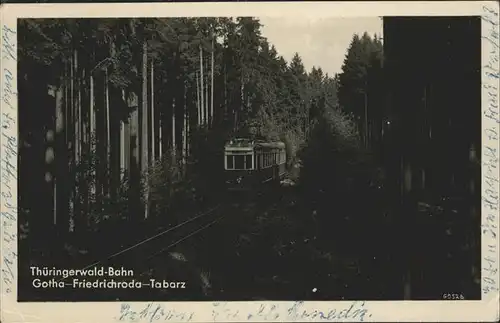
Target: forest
(122, 129)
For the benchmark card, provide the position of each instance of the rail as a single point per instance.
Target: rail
(144, 242)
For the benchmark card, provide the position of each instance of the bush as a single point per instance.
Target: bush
(335, 180)
(332, 158)
(206, 161)
(92, 205)
(167, 189)
(268, 125)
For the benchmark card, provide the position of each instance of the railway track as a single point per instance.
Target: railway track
(138, 256)
(172, 254)
(199, 225)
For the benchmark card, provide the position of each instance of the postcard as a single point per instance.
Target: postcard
(231, 162)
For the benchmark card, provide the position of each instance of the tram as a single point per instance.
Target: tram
(250, 163)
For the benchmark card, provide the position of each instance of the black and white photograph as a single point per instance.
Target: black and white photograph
(249, 158)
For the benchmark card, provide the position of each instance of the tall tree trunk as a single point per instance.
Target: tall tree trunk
(198, 98)
(153, 125)
(122, 142)
(238, 107)
(135, 164)
(225, 92)
(424, 139)
(202, 91)
(188, 136)
(406, 192)
(186, 108)
(212, 85)
(74, 104)
(107, 167)
(72, 138)
(174, 148)
(207, 115)
(184, 128)
(144, 134)
(67, 101)
(61, 206)
(84, 112)
(80, 140)
(92, 138)
(160, 136)
(365, 96)
(134, 140)
(58, 133)
(79, 123)
(76, 89)
(135, 161)
(184, 138)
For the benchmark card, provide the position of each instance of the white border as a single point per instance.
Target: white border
(390, 311)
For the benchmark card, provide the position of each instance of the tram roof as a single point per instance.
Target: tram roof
(274, 144)
(248, 143)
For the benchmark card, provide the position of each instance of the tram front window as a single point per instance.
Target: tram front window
(239, 162)
(229, 161)
(248, 162)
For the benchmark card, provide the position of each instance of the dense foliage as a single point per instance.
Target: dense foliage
(338, 159)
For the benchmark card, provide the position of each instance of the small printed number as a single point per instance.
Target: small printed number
(452, 296)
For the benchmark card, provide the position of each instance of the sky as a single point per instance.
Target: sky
(320, 42)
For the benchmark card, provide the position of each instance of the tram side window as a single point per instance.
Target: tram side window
(229, 161)
(239, 162)
(248, 162)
